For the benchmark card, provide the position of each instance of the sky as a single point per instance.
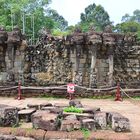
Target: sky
(71, 9)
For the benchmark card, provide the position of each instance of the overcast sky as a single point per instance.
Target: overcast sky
(71, 9)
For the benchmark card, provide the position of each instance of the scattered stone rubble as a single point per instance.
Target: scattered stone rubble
(50, 117)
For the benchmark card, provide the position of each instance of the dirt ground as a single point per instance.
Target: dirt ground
(128, 108)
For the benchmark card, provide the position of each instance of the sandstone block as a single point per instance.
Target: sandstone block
(8, 116)
(89, 124)
(75, 103)
(101, 120)
(69, 125)
(44, 120)
(119, 123)
(26, 114)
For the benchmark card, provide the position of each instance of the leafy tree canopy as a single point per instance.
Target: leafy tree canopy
(130, 24)
(30, 16)
(96, 16)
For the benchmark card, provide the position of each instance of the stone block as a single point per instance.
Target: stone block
(89, 124)
(75, 103)
(45, 105)
(7, 137)
(70, 117)
(52, 109)
(78, 115)
(101, 120)
(36, 106)
(44, 120)
(3, 76)
(90, 110)
(8, 116)
(119, 123)
(82, 61)
(60, 105)
(69, 125)
(26, 114)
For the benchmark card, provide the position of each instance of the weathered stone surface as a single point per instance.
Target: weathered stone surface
(101, 120)
(38, 106)
(44, 120)
(60, 105)
(26, 114)
(119, 123)
(94, 38)
(35, 106)
(89, 124)
(69, 125)
(8, 116)
(75, 103)
(71, 117)
(53, 109)
(6, 137)
(90, 110)
(10, 137)
(79, 115)
(45, 105)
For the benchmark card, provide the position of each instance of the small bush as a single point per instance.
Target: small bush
(73, 109)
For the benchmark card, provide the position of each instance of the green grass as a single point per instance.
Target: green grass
(86, 133)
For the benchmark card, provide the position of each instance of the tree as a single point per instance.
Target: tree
(130, 24)
(30, 16)
(94, 16)
(136, 16)
(128, 27)
(60, 22)
(126, 18)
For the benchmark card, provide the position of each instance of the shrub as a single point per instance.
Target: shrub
(73, 109)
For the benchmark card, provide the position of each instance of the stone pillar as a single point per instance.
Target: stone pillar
(92, 69)
(110, 69)
(2, 59)
(10, 57)
(78, 53)
(78, 73)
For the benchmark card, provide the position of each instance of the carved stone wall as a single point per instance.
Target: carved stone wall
(90, 59)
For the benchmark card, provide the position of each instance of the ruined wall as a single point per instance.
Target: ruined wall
(92, 59)
(12, 49)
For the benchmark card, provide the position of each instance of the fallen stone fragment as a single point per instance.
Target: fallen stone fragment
(35, 106)
(44, 120)
(45, 105)
(90, 110)
(52, 109)
(26, 114)
(75, 103)
(38, 106)
(78, 114)
(101, 120)
(7, 137)
(88, 124)
(69, 125)
(119, 123)
(70, 117)
(60, 105)
(8, 116)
